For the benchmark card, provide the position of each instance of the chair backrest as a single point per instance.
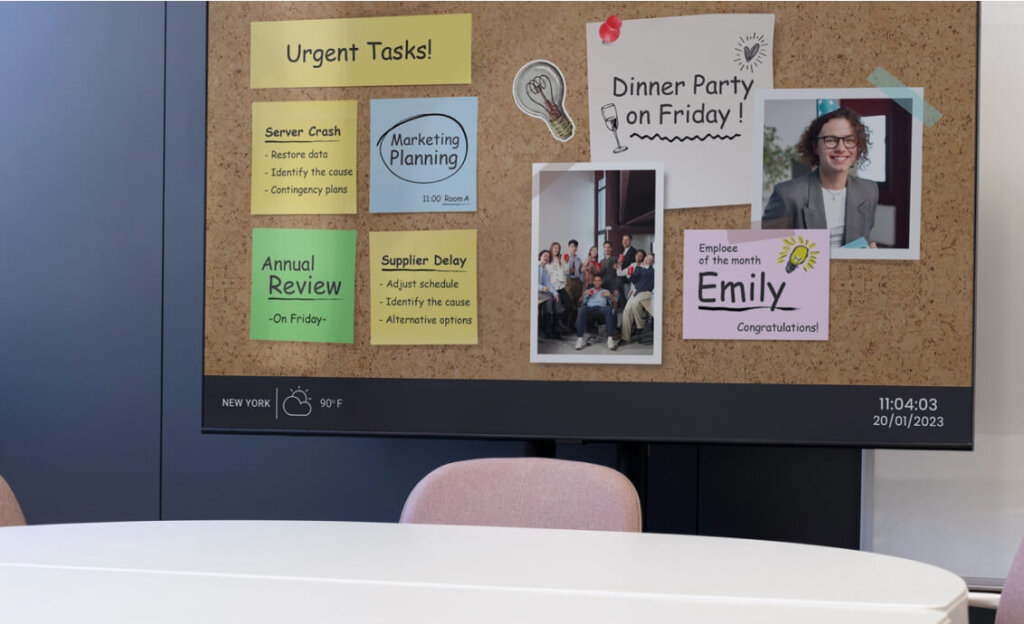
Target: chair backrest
(1011, 602)
(531, 492)
(10, 510)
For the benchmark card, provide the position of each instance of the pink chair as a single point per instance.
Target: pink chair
(531, 492)
(1009, 605)
(10, 510)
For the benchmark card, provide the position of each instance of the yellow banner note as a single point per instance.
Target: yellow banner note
(304, 157)
(423, 287)
(362, 51)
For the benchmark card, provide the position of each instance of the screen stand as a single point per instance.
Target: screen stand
(540, 448)
(631, 460)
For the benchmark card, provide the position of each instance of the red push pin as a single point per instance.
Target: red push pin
(609, 31)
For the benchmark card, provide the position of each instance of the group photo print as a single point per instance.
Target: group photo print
(597, 237)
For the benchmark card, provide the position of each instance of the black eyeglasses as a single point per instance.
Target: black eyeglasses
(832, 141)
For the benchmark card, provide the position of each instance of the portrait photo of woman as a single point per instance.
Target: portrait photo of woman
(829, 196)
(844, 160)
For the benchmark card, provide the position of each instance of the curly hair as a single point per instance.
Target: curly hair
(810, 136)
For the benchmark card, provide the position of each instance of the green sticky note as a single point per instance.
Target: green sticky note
(302, 285)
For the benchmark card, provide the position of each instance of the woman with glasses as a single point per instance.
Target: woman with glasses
(830, 196)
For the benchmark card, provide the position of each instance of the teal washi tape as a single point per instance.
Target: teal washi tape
(901, 93)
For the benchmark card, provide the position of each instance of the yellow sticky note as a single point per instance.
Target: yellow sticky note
(423, 287)
(304, 157)
(362, 51)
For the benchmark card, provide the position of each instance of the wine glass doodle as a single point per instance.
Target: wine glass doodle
(611, 121)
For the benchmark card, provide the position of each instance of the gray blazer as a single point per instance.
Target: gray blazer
(797, 204)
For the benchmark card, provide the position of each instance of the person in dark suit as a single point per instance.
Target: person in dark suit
(608, 269)
(830, 196)
(628, 256)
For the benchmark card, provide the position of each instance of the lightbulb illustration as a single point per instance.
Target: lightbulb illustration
(539, 91)
(798, 252)
(796, 258)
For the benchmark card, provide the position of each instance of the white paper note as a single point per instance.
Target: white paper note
(680, 90)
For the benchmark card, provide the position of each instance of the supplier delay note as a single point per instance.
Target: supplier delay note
(423, 287)
(302, 285)
(304, 157)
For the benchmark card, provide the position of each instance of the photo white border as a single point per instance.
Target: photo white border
(913, 251)
(659, 235)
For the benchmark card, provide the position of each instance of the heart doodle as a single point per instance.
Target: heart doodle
(751, 52)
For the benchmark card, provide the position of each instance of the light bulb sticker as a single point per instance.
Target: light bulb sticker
(539, 91)
(798, 252)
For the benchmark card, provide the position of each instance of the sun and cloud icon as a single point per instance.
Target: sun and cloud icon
(297, 403)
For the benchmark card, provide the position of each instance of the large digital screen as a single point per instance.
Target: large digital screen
(544, 221)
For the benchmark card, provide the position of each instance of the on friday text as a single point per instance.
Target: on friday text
(683, 112)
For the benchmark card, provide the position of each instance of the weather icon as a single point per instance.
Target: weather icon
(297, 403)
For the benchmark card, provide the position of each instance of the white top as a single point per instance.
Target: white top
(277, 572)
(835, 214)
(556, 269)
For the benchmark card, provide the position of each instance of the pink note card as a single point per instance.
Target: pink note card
(755, 284)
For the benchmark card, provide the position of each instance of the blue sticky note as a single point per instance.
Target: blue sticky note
(423, 155)
(860, 243)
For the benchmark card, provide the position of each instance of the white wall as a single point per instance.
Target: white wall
(567, 209)
(965, 511)
(789, 117)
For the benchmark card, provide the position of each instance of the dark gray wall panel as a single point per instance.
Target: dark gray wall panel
(789, 494)
(672, 488)
(246, 476)
(80, 258)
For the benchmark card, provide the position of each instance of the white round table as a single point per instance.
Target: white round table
(287, 572)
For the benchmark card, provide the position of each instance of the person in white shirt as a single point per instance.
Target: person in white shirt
(556, 270)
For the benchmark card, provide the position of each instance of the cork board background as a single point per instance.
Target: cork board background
(892, 322)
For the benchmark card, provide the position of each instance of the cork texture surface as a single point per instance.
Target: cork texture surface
(892, 322)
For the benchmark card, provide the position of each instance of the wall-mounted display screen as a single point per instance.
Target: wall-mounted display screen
(548, 221)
